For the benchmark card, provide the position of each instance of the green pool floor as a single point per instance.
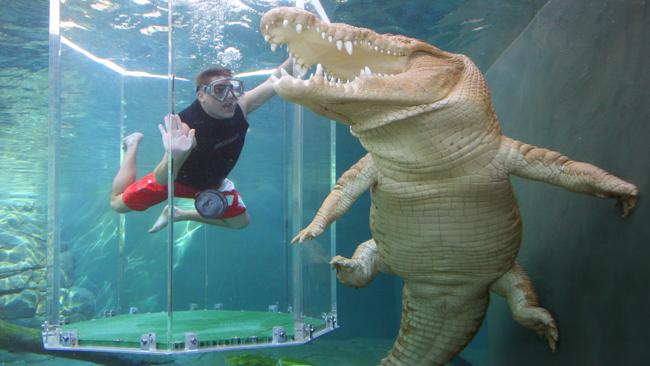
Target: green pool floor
(208, 325)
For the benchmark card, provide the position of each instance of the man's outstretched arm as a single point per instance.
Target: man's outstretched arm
(259, 95)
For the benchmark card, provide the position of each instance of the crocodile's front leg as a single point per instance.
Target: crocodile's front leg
(548, 166)
(352, 184)
(365, 263)
(516, 288)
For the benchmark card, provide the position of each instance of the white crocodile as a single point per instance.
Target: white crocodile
(443, 214)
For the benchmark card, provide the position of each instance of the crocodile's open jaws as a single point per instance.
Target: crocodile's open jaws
(356, 65)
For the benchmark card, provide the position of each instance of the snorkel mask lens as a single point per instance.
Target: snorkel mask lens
(220, 89)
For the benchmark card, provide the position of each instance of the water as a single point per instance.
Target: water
(251, 269)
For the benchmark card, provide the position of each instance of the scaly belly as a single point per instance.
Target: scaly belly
(460, 228)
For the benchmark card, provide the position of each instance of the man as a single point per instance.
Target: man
(206, 140)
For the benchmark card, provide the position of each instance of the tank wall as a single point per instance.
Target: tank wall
(575, 81)
(23, 147)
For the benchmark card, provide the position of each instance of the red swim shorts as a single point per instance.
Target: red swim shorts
(145, 193)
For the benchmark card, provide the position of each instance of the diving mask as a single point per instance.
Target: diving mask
(220, 88)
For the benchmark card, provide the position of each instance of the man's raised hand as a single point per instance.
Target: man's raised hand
(176, 136)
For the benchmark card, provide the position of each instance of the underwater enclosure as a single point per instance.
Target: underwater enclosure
(185, 279)
(567, 75)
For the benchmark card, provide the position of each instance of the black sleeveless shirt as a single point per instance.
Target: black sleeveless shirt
(218, 145)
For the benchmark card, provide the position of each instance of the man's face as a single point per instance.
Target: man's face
(212, 106)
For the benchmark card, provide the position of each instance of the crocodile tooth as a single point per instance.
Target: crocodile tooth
(330, 38)
(266, 38)
(317, 29)
(367, 71)
(302, 70)
(285, 23)
(323, 35)
(273, 47)
(298, 28)
(319, 70)
(339, 44)
(348, 47)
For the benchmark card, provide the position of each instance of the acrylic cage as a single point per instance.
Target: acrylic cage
(112, 286)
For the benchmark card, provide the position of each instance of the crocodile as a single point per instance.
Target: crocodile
(443, 215)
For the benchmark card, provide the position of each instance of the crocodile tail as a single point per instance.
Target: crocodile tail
(434, 331)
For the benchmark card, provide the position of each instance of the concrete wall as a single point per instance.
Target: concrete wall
(576, 81)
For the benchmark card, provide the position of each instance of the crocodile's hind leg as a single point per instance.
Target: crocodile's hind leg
(362, 268)
(435, 329)
(516, 288)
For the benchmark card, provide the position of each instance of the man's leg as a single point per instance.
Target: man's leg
(236, 222)
(126, 175)
(235, 216)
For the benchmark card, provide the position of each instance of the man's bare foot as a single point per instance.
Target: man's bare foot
(132, 141)
(163, 219)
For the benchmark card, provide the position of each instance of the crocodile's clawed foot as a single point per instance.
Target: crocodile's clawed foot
(308, 233)
(626, 195)
(349, 271)
(541, 322)
(628, 202)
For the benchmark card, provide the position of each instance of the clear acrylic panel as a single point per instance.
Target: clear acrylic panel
(104, 266)
(244, 274)
(317, 179)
